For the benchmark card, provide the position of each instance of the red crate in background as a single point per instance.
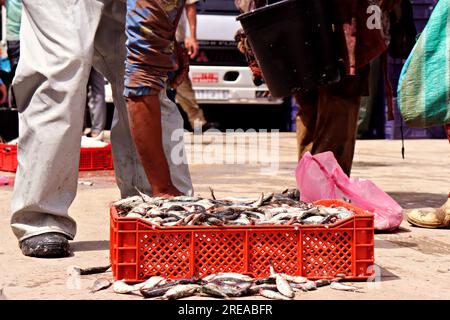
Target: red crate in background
(90, 158)
(8, 157)
(139, 249)
(96, 159)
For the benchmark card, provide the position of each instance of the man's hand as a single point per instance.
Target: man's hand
(183, 66)
(192, 47)
(191, 42)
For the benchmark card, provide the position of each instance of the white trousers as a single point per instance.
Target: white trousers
(60, 41)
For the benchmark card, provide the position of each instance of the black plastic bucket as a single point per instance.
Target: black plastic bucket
(294, 43)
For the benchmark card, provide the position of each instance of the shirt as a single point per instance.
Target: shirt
(13, 18)
(183, 24)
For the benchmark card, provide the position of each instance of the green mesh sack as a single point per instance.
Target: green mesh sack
(424, 86)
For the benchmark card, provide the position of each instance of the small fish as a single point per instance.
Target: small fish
(134, 215)
(345, 214)
(150, 283)
(195, 219)
(122, 287)
(170, 224)
(154, 292)
(235, 289)
(268, 198)
(145, 197)
(273, 295)
(181, 291)
(91, 270)
(100, 284)
(294, 279)
(228, 275)
(254, 289)
(297, 287)
(141, 209)
(322, 283)
(258, 203)
(128, 203)
(215, 221)
(344, 287)
(268, 280)
(213, 290)
(314, 220)
(284, 287)
(184, 199)
(310, 285)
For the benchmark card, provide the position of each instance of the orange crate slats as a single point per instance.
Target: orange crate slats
(139, 250)
(90, 158)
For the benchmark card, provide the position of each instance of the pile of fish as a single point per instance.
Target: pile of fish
(272, 209)
(278, 286)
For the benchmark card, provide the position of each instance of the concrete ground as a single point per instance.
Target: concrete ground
(414, 262)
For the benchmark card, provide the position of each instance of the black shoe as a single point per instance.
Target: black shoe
(47, 245)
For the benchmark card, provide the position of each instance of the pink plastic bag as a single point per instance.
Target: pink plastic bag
(321, 177)
(4, 181)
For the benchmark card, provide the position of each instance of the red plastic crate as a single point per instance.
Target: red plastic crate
(139, 249)
(90, 158)
(96, 159)
(8, 157)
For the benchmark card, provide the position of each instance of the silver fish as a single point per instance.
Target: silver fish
(122, 287)
(150, 283)
(181, 291)
(314, 220)
(134, 215)
(283, 286)
(254, 289)
(147, 198)
(128, 203)
(344, 287)
(100, 284)
(310, 285)
(214, 290)
(322, 283)
(272, 295)
(294, 279)
(258, 203)
(228, 275)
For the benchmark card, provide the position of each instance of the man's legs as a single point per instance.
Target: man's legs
(96, 102)
(328, 122)
(306, 122)
(186, 98)
(150, 30)
(50, 88)
(109, 59)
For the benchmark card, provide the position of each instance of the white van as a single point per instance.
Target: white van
(220, 73)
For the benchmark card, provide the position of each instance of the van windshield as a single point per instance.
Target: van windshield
(219, 7)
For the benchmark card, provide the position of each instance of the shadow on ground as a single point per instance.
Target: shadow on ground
(89, 245)
(412, 200)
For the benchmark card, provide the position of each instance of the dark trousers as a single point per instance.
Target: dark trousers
(328, 119)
